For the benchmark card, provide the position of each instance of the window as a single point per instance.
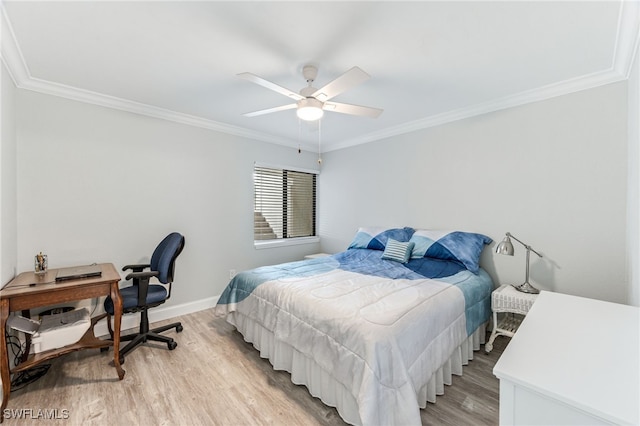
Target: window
(284, 204)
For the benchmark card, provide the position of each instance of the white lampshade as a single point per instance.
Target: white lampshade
(310, 109)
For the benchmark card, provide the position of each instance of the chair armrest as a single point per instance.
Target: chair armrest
(142, 275)
(136, 267)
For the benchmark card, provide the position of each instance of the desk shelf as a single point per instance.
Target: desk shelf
(87, 341)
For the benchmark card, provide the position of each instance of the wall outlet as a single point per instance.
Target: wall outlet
(232, 273)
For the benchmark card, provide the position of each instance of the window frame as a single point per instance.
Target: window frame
(290, 241)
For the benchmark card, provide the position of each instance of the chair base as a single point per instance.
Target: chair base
(145, 334)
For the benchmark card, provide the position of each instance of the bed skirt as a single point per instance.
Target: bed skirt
(304, 371)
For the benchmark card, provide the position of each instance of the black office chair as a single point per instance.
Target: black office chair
(141, 295)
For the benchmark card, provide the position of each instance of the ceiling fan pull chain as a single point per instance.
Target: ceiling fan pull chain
(320, 141)
(299, 132)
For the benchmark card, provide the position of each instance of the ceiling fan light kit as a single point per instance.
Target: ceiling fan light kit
(310, 109)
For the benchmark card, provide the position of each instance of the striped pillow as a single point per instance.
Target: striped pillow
(398, 251)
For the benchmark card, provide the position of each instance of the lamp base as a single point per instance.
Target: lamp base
(526, 288)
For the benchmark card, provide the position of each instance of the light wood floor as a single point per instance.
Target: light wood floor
(213, 377)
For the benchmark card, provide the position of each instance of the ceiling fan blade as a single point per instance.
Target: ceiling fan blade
(270, 110)
(341, 84)
(269, 85)
(352, 109)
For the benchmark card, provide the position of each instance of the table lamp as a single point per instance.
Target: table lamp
(506, 247)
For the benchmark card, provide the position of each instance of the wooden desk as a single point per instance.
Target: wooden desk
(22, 295)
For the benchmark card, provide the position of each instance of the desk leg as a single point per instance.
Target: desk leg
(4, 358)
(117, 317)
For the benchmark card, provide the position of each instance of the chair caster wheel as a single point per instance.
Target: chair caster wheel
(105, 349)
(121, 359)
(179, 328)
(172, 345)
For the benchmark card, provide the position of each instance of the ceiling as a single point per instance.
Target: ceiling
(430, 62)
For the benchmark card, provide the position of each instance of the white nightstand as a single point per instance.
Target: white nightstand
(506, 299)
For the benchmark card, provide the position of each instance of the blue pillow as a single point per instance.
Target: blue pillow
(398, 251)
(463, 247)
(375, 238)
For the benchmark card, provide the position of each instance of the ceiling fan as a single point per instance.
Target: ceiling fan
(311, 102)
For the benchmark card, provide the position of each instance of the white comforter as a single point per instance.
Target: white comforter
(381, 338)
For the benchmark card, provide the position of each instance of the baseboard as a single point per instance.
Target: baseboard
(158, 314)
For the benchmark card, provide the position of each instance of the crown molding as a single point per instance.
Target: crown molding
(86, 96)
(534, 95)
(627, 40)
(626, 44)
(10, 53)
(628, 37)
(16, 65)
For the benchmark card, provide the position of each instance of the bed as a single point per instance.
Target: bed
(375, 331)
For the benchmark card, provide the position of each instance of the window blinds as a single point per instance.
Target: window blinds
(284, 203)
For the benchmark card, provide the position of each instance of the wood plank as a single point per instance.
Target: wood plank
(215, 377)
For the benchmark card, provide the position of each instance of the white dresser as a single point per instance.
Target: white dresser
(573, 361)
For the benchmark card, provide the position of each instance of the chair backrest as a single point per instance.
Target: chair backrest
(164, 256)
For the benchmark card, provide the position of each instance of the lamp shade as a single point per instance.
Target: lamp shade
(505, 247)
(310, 109)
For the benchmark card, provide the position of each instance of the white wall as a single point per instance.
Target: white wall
(8, 183)
(565, 191)
(553, 173)
(101, 185)
(633, 217)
